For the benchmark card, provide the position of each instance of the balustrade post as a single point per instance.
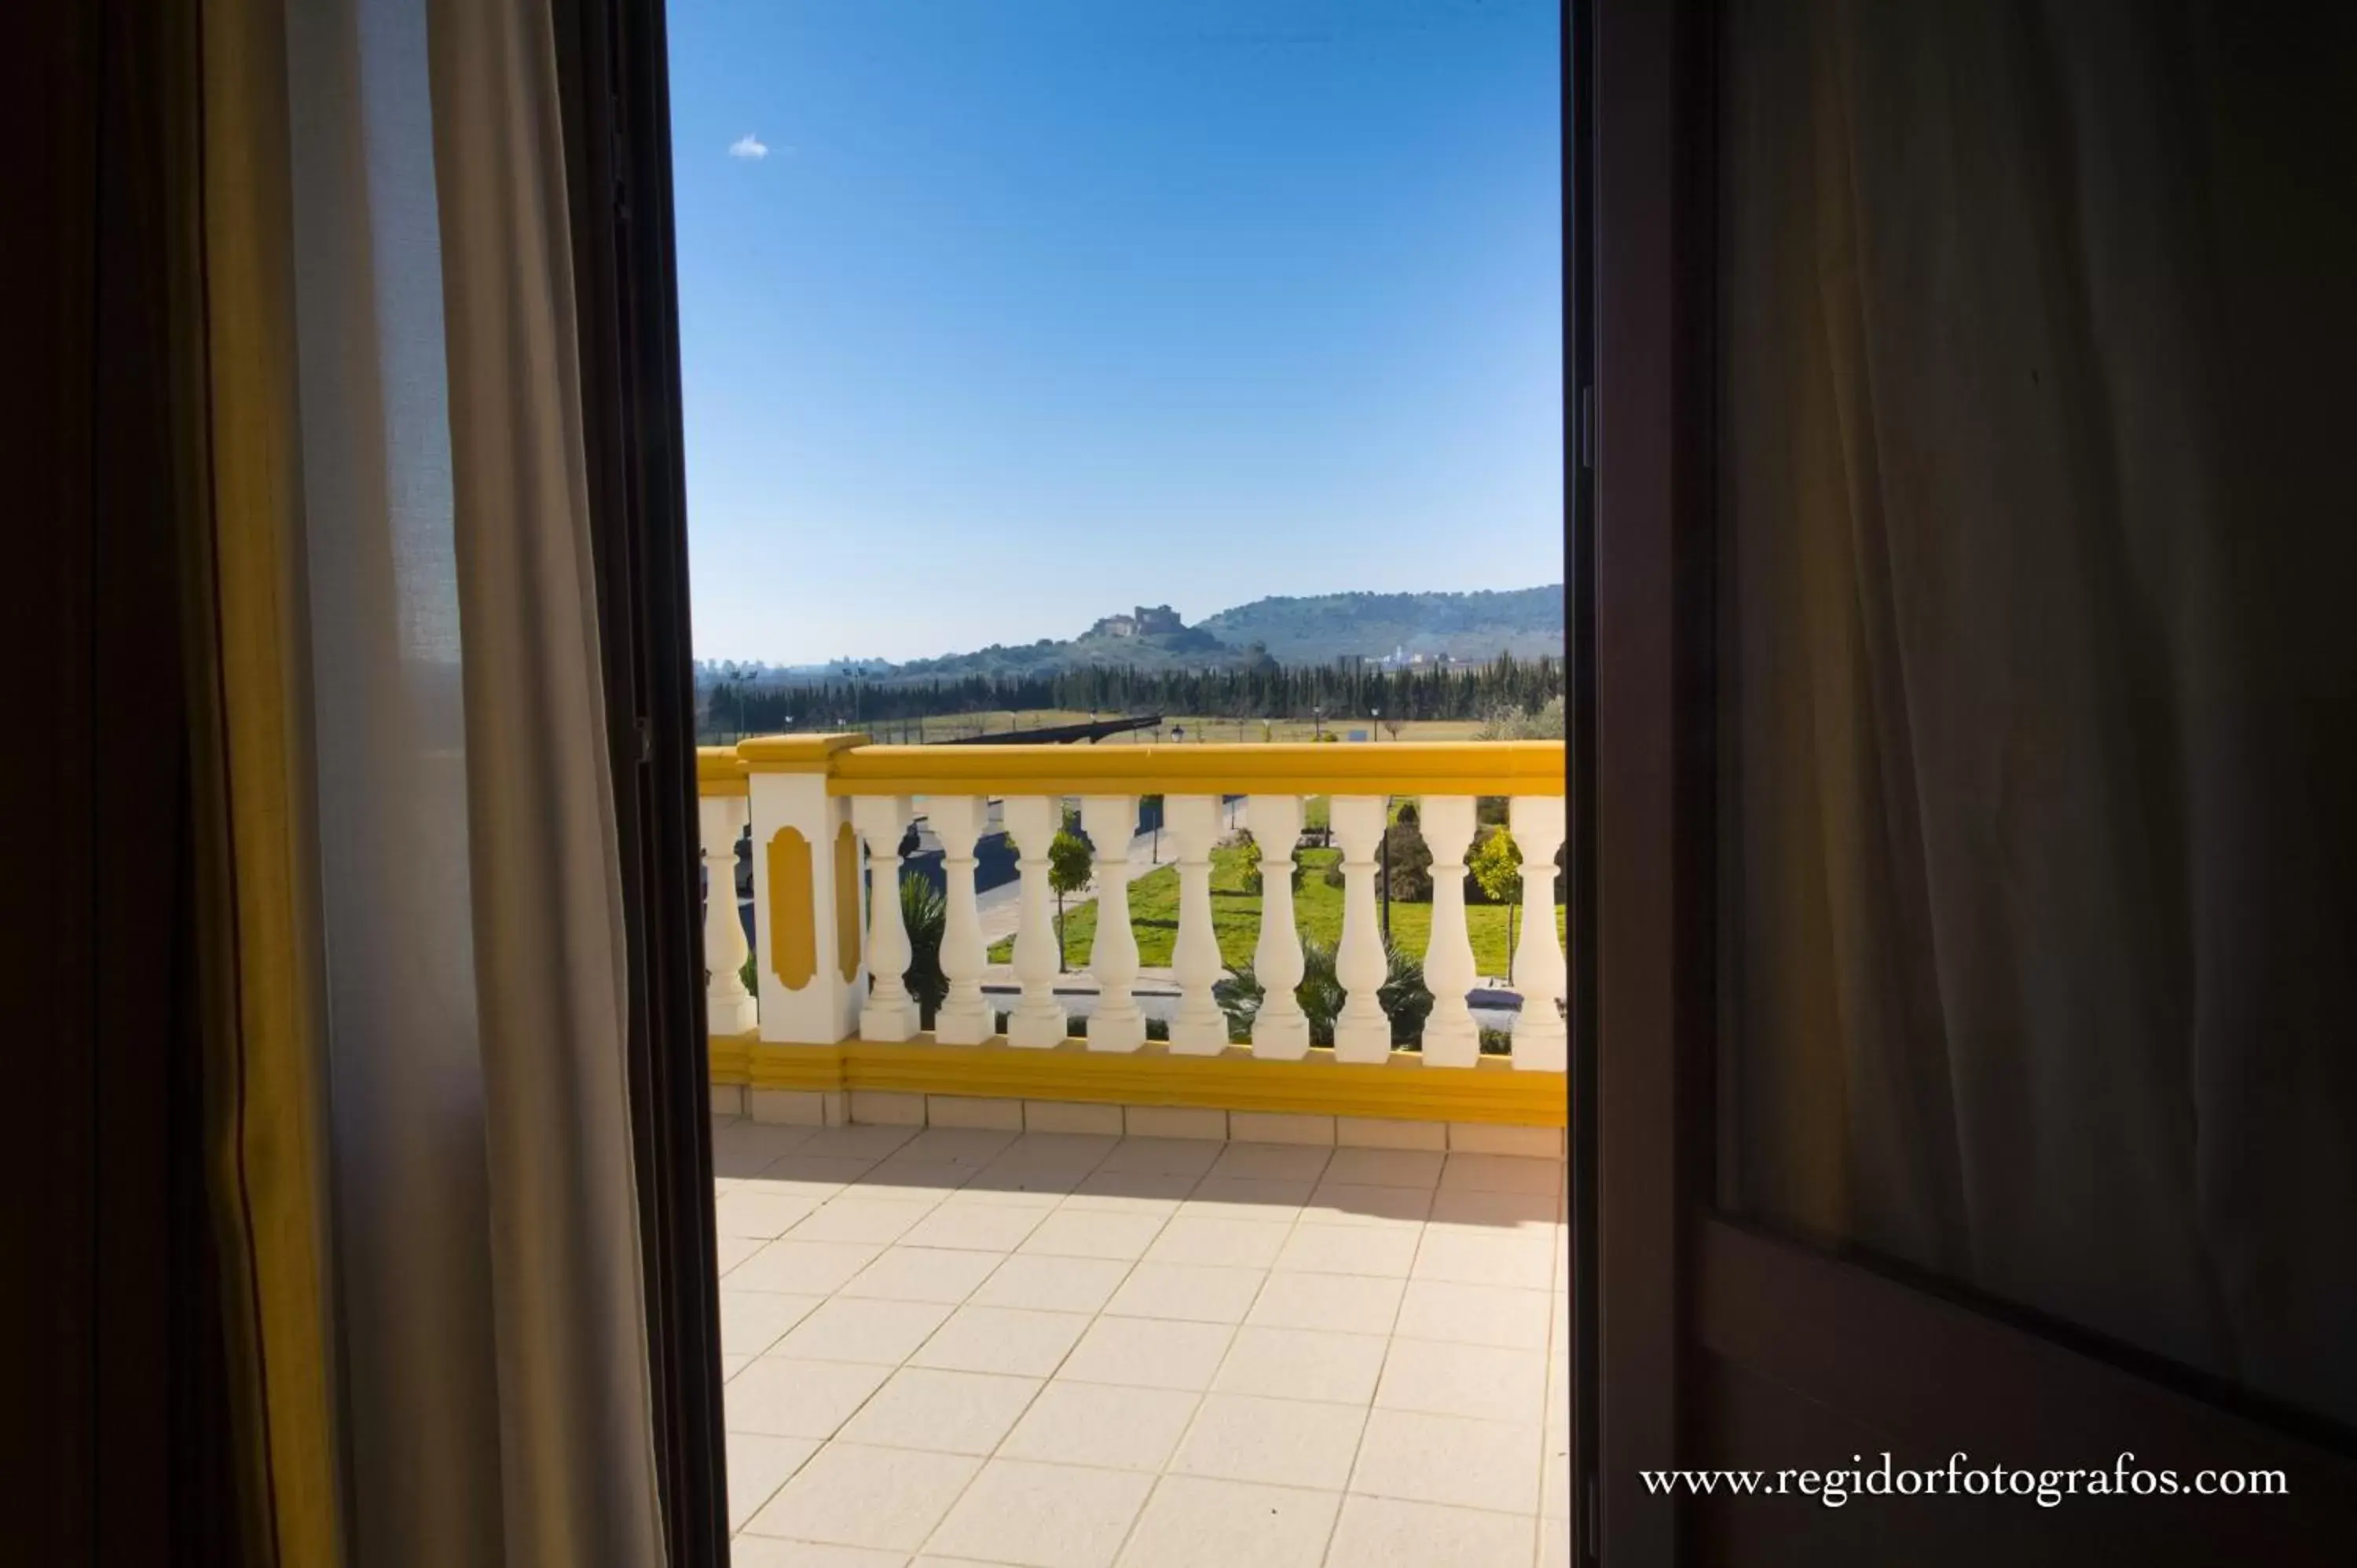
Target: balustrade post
(1038, 1019)
(806, 949)
(1115, 1023)
(1452, 1038)
(964, 1019)
(890, 1012)
(1201, 1028)
(1362, 1032)
(1280, 1028)
(728, 1007)
(1540, 1040)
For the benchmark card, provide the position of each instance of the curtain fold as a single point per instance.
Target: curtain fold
(436, 1148)
(2038, 685)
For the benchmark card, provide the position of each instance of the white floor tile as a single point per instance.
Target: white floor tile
(1043, 1516)
(1006, 1339)
(1477, 1381)
(1271, 1161)
(1303, 1364)
(1192, 1521)
(769, 1552)
(1132, 1192)
(950, 1413)
(802, 1268)
(1386, 1167)
(1477, 1209)
(1187, 1292)
(751, 1320)
(1449, 1459)
(1341, 1203)
(883, 1332)
(1219, 1243)
(1385, 1532)
(1228, 1197)
(854, 1496)
(1519, 1261)
(957, 1146)
(1503, 1172)
(757, 1467)
(1099, 1424)
(765, 1215)
(798, 1399)
(1285, 1443)
(1344, 1304)
(977, 1227)
(1348, 1249)
(857, 1143)
(1161, 1156)
(1148, 1353)
(922, 1273)
(1088, 1233)
(853, 1218)
(1475, 1315)
(1052, 1285)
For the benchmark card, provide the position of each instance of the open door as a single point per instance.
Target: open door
(1972, 1087)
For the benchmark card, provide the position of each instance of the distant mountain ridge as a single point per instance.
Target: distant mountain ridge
(1313, 630)
(1525, 622)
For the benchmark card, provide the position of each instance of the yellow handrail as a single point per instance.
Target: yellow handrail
(852, 766)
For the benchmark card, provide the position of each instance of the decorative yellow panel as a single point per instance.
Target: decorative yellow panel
(793, 934)
(847, 900)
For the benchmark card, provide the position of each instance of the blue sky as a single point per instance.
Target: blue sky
(1029, 310)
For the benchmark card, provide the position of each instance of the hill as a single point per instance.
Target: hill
(1319, 629)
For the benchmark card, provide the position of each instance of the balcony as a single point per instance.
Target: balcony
(1103, 1267)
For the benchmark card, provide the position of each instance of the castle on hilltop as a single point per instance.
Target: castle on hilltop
(1145, 621)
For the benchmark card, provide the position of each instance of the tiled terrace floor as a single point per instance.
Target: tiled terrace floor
(947, 1346)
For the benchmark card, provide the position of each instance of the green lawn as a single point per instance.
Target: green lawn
(1235, 917)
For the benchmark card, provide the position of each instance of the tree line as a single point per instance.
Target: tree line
(1347, 690)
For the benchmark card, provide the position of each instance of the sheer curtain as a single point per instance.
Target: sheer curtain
(490, 1385)
(2036, 487)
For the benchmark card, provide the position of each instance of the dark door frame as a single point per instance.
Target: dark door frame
(1649, 574)
(614, 75)
(1704, 1340)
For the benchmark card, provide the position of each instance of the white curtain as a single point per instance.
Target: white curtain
(493, 1403)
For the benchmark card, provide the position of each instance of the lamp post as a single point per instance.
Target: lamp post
(1375, 722)
(1318, 723)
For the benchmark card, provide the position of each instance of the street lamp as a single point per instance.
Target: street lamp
(1375, 718)
(1318, 723)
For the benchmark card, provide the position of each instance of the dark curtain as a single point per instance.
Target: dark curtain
(2039, 659)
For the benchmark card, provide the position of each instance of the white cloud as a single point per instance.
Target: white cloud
(748, 146)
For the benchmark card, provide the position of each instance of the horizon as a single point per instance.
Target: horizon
(995, 323)
(1191, 622)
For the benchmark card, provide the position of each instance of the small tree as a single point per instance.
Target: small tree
(1068, 871)
(1497, 868)
(924, 914)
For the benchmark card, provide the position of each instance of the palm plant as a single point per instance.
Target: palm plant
(925, 913)
(1406, 1000)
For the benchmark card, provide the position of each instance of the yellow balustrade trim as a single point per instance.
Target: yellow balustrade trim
(1403, 1089)
(846, 902)
(731, 1056)
(795, 752)
(1387, 767)
(720, 773)
(793, 927)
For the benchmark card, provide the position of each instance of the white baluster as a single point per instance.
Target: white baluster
(963, 1018)
(1201, 1028)
(1116, 1024)
(1280, 1029)
(729, 1008)
(1033, 822)
(889, 1013)
(1540, 1041)
(1362, 1031)
(1452, 1038)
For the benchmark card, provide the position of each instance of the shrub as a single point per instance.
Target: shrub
(925, 912)
(1410, 859)
(1404, 997)
(1243, 840)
